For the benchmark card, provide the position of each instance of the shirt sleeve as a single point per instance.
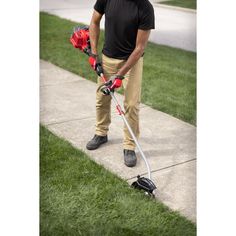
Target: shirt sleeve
(100, 6)
(146, 16)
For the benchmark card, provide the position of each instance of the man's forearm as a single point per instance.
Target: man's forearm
(133, 58)
(94, 31)
(141, 42)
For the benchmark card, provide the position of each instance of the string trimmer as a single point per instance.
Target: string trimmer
(80, 40)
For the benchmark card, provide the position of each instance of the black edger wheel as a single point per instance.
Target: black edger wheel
(146, 185)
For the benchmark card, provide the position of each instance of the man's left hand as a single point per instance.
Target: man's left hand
(113, 83)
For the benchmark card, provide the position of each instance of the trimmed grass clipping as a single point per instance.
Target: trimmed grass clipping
(79, 197)
(169, 77)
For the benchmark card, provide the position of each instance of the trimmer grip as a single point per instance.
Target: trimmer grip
(99, 69)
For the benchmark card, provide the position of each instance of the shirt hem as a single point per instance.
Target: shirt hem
(116, 57)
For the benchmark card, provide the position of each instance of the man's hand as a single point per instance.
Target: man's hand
(95, 64)
(113, 83)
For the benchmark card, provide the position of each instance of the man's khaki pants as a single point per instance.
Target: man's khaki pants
(132, 94)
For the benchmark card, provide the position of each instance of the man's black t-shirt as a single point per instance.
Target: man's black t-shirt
(123, 18)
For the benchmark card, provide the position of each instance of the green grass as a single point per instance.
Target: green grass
(79, 197)
(182, 3)
(169, 78)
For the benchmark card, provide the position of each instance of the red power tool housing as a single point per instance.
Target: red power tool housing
(80, 39)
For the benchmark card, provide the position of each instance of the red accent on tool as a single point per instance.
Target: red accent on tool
(80, 38)
(120, 112)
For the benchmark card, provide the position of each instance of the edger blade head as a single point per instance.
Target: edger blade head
(145, 184)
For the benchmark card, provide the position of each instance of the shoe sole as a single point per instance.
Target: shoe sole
(94, 148)
(130, 164)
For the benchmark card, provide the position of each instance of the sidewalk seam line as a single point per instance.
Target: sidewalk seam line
(77, 119)
(66, 82)
(58, 9)
(65, 121)
(164, 168)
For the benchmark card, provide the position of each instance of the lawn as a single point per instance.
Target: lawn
(79, 197)
(182, 3)
(169, 78)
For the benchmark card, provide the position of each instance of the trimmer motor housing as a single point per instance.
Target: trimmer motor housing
(80, 39)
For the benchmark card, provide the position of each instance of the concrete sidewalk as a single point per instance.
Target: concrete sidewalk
(67, 108)
(174, 27)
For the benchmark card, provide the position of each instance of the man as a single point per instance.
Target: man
(127, 28)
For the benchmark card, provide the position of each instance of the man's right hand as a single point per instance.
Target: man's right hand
(96, 64)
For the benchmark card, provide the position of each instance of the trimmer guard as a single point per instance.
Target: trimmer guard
(144, 184)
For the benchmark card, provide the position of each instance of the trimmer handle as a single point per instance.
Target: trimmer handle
(87, 51)
(99, 69)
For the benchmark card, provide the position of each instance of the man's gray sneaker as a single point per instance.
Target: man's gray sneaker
(96, 142)
(130, 158)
